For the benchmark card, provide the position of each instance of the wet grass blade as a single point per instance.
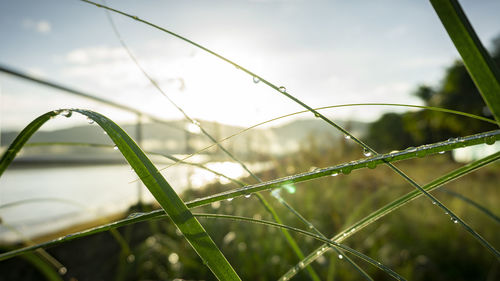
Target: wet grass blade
(310, 234)
(157, 185)
(478, 62)
(398, 203)
(138, 217)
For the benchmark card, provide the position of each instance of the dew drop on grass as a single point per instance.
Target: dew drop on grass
(334, 174)
(229, 199)
(346, 170)
(454, 220)
(67, 113)
(248, 195)
(256, 79)
(347, 137)
(341, 256)
(282, 89)
(130, 258)
(367, 152)
(90, 121)
(489, 140)
(317, 115)
(301, 264)
(371, 165)
(434, 203)
(442, 152)
(62, 270)
(104, 132)
(196, 123)
(115, 147)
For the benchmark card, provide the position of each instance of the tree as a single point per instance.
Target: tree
(456, 91)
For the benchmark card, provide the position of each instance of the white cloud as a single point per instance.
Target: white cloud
(41, 26)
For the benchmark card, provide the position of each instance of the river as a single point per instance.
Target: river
(38, 201)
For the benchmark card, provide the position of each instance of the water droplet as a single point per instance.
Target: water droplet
(67, 113)
(345, 234)
(229, 199)
(317, 115)
(90, 121)
(136, 17)
(442, 152)
(290, 188)
(346, 170)
(301, 264)
(347, 137)
(195, 122)
(434, 203)
(310, 226)
(341, 256)
(115, 147)
(248, 195)
(445, 213)
(335, 174)
(62, 270)
(490, 140)
(371, 165)
(454, 220)
(104, 132)
(367, 152)
(318, 252)
(282, 89)
(411, 149)
(130, 258)
(256, 79)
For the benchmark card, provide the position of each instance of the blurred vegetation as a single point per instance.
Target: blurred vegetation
(457, 92)
(417, 241)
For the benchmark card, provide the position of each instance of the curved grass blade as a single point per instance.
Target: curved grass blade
(336, 106)
(401, 201)
(293, 244)
(138, 217)
(472, 203)
(478, 62)
(44, 268)
(157, 185)
(307, 233)
(283, 91)
(313, 228)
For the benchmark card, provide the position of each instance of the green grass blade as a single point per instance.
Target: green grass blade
(157, 185)
(138, 217)
(293, 244)
(398, 203)
(471, 202)
(284, 92)
(313, 228)
(478, 62)
(42, 266)
(336, 106)
(310, 234)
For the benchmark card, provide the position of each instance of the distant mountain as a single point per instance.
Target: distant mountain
(172, 138)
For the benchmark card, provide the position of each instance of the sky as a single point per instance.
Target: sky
(323, 52)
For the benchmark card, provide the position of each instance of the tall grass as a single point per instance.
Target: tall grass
(180, 214)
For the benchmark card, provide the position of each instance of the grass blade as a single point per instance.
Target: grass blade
(157, 185)
(478, 62)
(310, 234)
(138, 217)
(401, 201)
